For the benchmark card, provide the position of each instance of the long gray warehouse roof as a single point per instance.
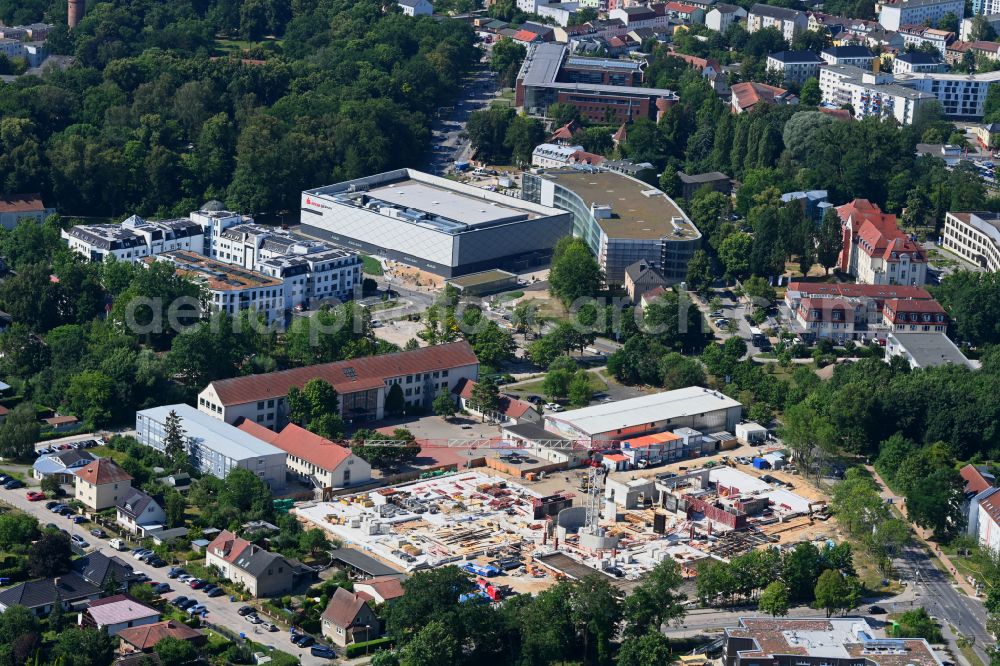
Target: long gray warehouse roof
(212, 433)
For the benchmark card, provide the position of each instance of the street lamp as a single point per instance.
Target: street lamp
(367, 637)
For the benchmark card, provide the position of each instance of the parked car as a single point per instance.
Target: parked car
(179, 600)
(49, 505)
(175, 572)
(253, 618)
(140, 578)
(303, 640)
(535, 399)
(34, 496)
(139, 552)
(244, 611)
(208, 588)
(118, 544)
(13, 484)
(79, 541)
(322, 652)
(56, 508)
(270, 626)
(157, 562)
(99, 533)
(187, 603)
(161, 588)
(197, 609)
(876, 610)
(185, 578)
(196, 583)
(217, 592)
(78, 519)
(44, 450)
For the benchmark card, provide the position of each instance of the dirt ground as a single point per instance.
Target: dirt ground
(412, 278)
(400, 332)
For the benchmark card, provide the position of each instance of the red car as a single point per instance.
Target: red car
(196, 583)
(34, 496)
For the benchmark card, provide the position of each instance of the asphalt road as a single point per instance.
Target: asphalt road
(935, 592)
(448, 143)
(221, 611)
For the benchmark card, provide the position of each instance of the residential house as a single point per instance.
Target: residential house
(565, 135)
(980, 483)
(640, 278)
(348, 619)
(60, 464)
(896, 13)
(16, 207)
(41, 596)
(795, 66)
(508, 412)
(748, 94)
(416, 7)
(684, 13)
(115, 613)
(105, 572)
(139, 512)
(908, 63)
(62, 422)
(380, 589)
(144, 638)
(988, 522)
(909, 316)
(917, 35)
(314, 459)
(789, 22)
(101, 483)
(723, 15)
(262, 573)
(639, 17)
(988, 136)
(859, 56)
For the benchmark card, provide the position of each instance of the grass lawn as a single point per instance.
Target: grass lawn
(229, 46)
(510, 296)
(107, 452)
(384, 305)
(370, 265)
(596, 384)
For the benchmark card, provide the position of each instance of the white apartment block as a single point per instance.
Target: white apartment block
(916, 36)
(549, 155)
(975, 237)
(858, 56)
(795, 66)
(918, 12)
(910, 63)
(789, 22)
(869, 93)
(134, 239)
(960, 95)
(723, 15)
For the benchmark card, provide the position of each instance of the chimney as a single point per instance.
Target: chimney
(74, 13)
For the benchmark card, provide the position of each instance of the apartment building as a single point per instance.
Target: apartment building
(918, 12)
(960, 95)
(795, 66)
(723, 15)
(918, 35)
(134, 239)
(974, 237)
(789, 22)
(869, 93)
(856, 55)
(875, 250)
(910, 316)
(911, 63)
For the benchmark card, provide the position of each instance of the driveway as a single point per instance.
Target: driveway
(221, 611)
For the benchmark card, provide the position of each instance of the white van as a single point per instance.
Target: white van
(118, 544)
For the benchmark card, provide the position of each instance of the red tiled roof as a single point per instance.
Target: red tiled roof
(863, 210)
(103, 471)
(510, 407)
(301, 443)
(681, 8)
(651, 440)
(566, 132)
(975, 482)
(896, 309)
(991, 505)
(809, 305)
(750, 93)
(620, 135)
(387, 587)
(61, 420)
(525, 36)
(146, 637)
(877, 291)
(346, 376)
(21, 203)
(343, 608)
(583, 157)
(228, 546)
(839, 114)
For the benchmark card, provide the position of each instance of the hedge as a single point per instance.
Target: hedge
(355, 649)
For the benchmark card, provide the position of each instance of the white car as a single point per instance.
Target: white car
(555, 407)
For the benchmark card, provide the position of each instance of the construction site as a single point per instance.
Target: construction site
(622, 524)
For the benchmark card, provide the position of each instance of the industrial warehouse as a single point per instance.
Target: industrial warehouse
(434, 224)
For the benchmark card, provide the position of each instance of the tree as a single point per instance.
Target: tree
(734, 252)
(444, 404)
(834, 592)
(652, 649)
(595, 610)
(556, 382)
(142, 593)
(486, 396)
(523, 134)
(574, 273)
(580, 391)
(948, 23)
(50, 555)
(505, 60)
(313, 540)
(173, 439)
(50, 486)
(656, 601)
(434, 644)
(699, 271)
(810, 94)
(84, 646)
(17, 529)
(774, 599)
(493, 345)
(829, 240)
(175, 506)
(19, 432)
(679, 371)
(982, 30)
(175, 652)
(935, 503)
(395, 402)
(317, 407)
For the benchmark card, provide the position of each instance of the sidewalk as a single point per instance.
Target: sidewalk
(923, 535)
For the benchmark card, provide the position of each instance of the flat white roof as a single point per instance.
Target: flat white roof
(446, 203)
(212, 433)
(644, 409)
(747, 484)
